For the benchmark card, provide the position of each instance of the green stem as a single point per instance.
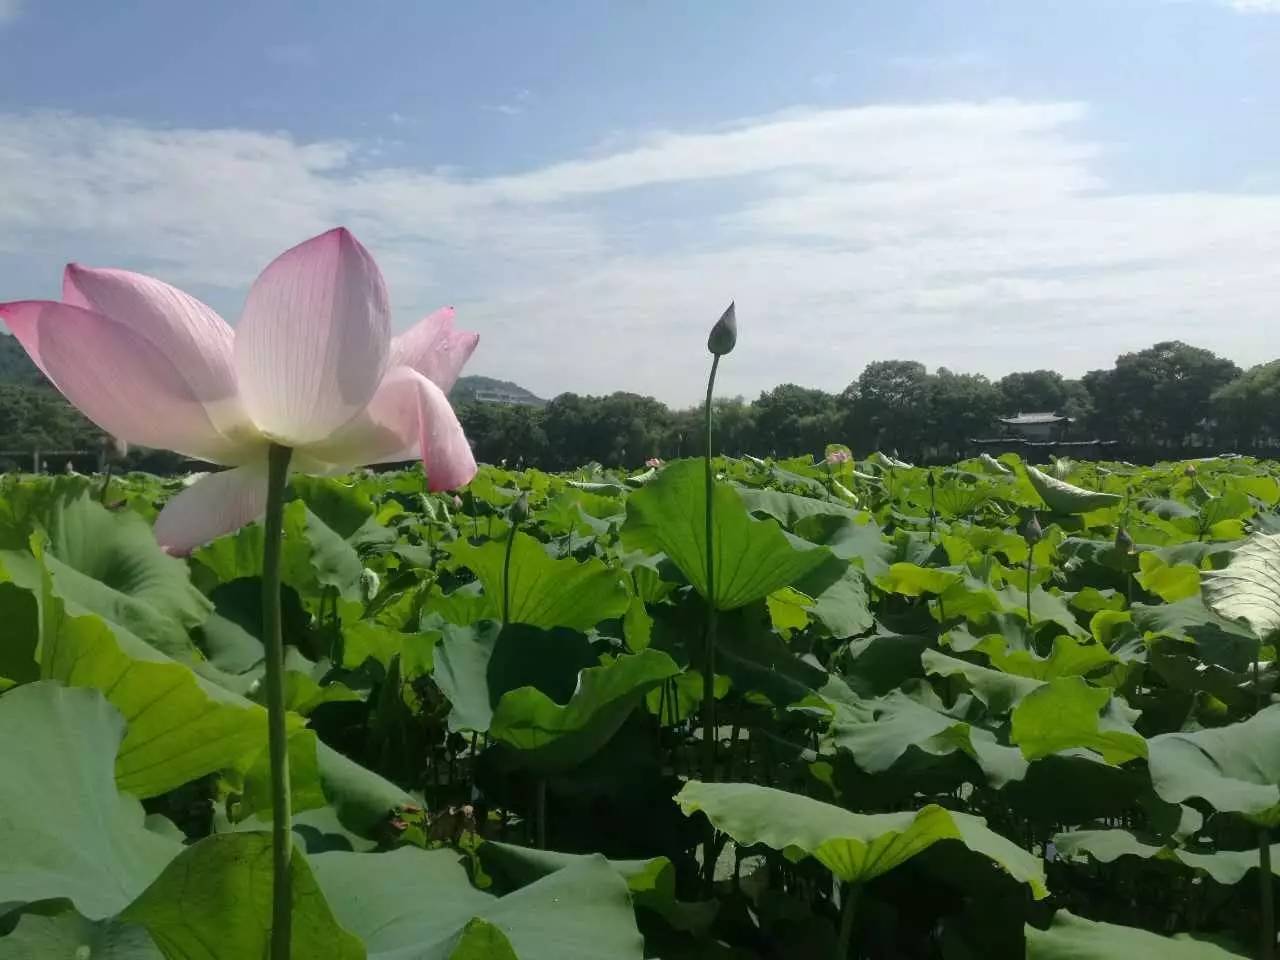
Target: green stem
(851, 893)
(1267, 920)
(709, 648)
(106, 484)
(506, 576)
(277, 737)
(1029, 622)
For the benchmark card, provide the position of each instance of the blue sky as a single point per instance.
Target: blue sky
(988, 186)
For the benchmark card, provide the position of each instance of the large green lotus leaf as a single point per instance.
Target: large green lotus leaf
(977, 602)
(1236, 768)
(550, 736)
(482, 940)
(1168, 582)
(342, 506)
(362, 799)
(66, 830)
(545, 592)
(1069, 657)
(313, 556)
(1068, 713)
(110, 564)
(787, 508)
(69, 936)
(913, 580)
(1063, 497)
(1075, 938)
(898, 723)
(180, 726)
(1225, 866)
(213, 902)
(839, 598)
(461, 671)
(753, 557)
(999, 691)
(1248, 588)
(856, 847)
(412, 904)
(858, 540)
(1218, 640)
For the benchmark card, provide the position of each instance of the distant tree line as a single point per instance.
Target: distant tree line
(1169, 400)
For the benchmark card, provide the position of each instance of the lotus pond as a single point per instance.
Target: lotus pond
(985, 710)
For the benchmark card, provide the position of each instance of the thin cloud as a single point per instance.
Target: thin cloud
(1254, 6)
(983, 236)
(10, 10)
(517, 105)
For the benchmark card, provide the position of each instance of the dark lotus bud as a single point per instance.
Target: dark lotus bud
(932, 481)
(1124, 542)
(1032, 533)
(519, 511)
(724, 335)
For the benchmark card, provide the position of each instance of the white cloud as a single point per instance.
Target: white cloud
(10, 10)
(1255, 6)
(982, 236)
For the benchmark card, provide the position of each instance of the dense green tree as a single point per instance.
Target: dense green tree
(962, 405)
(621, 429)
(889, 406)
(508, 432)
(1032, 391)
(1247, 409)
(791, 419)
(1159, 398)
(735, 430)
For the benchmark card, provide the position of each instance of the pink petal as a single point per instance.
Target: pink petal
(312, 344)
(217, 504)
(434, 349)
(119, 379)
(408, 417)
(189, 333)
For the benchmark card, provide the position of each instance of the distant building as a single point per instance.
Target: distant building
(506, 396)
(1037, 426)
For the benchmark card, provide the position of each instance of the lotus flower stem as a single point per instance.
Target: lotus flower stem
(277, 737)
(852, 892)
(506, 576)
(106, 484)
(709, 648)
(1266, 903)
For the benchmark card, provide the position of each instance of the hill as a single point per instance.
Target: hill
(15, 366)
(487, 389)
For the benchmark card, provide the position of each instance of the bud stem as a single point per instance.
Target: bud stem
(277, 735)
(709, 646)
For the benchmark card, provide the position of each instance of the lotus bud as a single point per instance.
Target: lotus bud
(368, 585)
(654, 463)
(724, 335)
(457, 502)
(1032, 532)
(519, 511)
(1124, 542)
(1189, 471)
(838, 456)
(932, 480)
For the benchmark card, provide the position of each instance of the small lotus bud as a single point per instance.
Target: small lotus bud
(1124, 542)
(724, 335)
(368, 585)
(519, 511)
(1032, 532)
(932, 480)
(457, 502)
(654, 463)
(1190, 470)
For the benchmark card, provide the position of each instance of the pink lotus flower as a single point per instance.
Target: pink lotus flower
(839, 456)
(654, 462)
(312, 365)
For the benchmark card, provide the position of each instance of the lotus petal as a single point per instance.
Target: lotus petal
(216, 504)
(435, 349)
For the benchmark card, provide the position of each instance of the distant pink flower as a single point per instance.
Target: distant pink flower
(311, 365)
(839, 456)
(654, 462)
